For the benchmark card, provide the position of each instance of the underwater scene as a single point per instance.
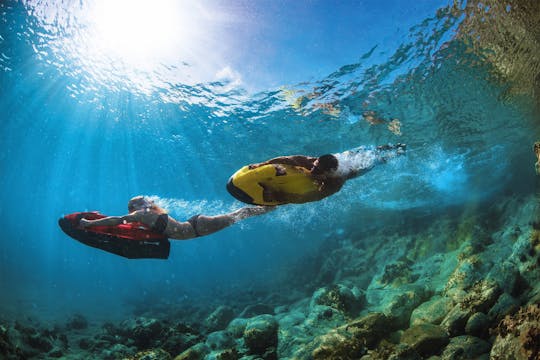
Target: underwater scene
(227, 180)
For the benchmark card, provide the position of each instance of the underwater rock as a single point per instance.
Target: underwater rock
(219, 319)
(402, 305)
(425, 339)
(371, 328)
(432, 311)
(236, 327)
(506, 304)
(56, 353)
(339, 297)
(398, 273)
(479, 298)
(466, 347)
(229, 354)
(482, 296)
(77, 322)
(455, 321)
(518, 335)
(144, 331)
(336, 346)
(478, 325)
(8, 347)
(219, 340)
(119, 351)
(176, 339)
(256, 309)
(154, 354)
(260, 334)
(196, 352)
(352, 340)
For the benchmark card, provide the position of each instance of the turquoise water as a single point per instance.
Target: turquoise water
(85, 130)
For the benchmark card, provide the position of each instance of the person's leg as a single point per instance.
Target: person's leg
(205, 225)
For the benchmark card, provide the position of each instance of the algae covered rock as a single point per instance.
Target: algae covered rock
(219, 340)
(371, 328)
(456, 319)
(219, 319)
(425, 339)
(261, 334)
(153, 354)
(143, 331)
(236, 327)
(466, 347)
(477, 325)
(518, 336)
(196, 352)
(339, 297)
(354, 339)
(336, 346)
(432, 311)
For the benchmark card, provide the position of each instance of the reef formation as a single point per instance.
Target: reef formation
(465, 287)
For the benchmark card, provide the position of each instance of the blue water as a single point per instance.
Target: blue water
(87, 131)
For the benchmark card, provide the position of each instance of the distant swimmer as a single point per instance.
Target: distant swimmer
(299, 179)
(144, 232)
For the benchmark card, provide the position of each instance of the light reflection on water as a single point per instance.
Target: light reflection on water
(131, 46)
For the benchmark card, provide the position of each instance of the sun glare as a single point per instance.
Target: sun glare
(138, 45)
(139, 31)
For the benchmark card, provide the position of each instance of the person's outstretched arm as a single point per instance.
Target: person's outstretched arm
(110, 220)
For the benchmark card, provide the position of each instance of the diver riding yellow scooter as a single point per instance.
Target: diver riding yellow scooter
(272, 184)
(299, 179)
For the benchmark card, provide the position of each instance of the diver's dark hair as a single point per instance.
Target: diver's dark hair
(326, 163)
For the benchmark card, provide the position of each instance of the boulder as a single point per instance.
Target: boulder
(425, 339)
(478, 325)
(219, 319)
(518, 335)
(196, 352)
(466, 347)
(432, 311)
(261, 334)
(339, 297)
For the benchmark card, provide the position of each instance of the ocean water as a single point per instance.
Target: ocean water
(96, 109)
